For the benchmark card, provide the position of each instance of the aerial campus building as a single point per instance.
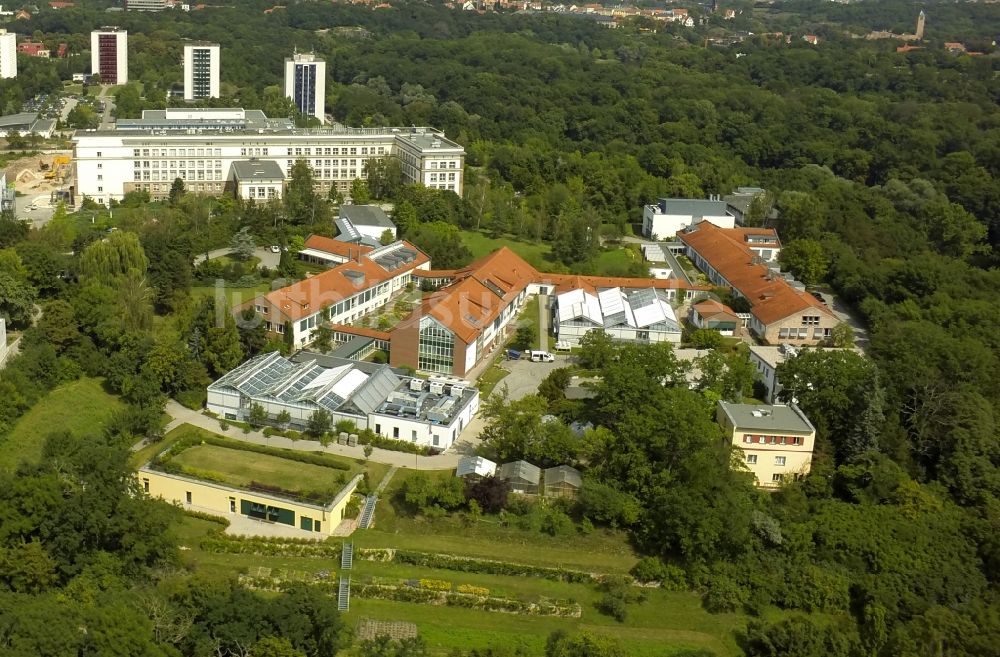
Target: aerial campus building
(109, 55)
(201, 70)
(777, 441)
(305, 84)
(219, 499)
(430, 412)
(203, 146)
(8, 54)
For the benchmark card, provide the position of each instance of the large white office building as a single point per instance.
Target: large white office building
(8, 54)
(109, 55)
(305, 84)
(201, 146)
(201, 70)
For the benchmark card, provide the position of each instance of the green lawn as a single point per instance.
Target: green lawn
(80, 406)
(535, 253)
(234, 296)
(489, 379)
(239, 467)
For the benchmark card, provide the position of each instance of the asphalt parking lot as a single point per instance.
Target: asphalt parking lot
(525, 376)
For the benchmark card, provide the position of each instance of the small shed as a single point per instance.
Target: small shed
(474, 468)
(521, 477)
(562, 481)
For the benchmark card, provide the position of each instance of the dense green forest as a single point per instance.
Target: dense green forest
(885, 168)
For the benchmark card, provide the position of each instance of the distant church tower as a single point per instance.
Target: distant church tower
(921, 19)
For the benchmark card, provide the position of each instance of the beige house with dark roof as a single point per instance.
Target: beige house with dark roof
(777, 441)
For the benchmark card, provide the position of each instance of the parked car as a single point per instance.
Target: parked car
(541, 357)
(275, 249)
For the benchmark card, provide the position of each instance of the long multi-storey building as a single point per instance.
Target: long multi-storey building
(201, 146)
(305, 84)
(8, 54)
(201, 70)
(109, 55)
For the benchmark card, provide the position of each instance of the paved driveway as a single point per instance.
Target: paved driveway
(846, 314)
(267, 259)
(525, 376)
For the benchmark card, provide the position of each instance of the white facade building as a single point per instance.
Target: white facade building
(432, 412)
(643, 315)
(109, 55)
(672, 215)
(200, 146)
(8, 54)
(201, 70)
(305, 84)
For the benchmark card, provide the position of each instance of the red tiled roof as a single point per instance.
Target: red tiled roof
(478, 293)
(771, 297)
(31, 48)
(306, 297)
(336, 247)
(362, 331)
(436, 273)
(710, 309)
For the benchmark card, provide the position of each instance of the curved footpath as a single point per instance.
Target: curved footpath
(446, 461)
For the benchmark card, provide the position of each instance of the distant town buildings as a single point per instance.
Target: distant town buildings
(305, 84)
(109, 55)
(146, 5)
(8, 54)
(201, 70)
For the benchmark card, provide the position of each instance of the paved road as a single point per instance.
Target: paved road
(71, 102)
(446, 461)
(267, 258)
(846, 314)
(107, 121)
(543, 322)
(525, 376)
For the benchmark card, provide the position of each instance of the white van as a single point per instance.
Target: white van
(541, 357)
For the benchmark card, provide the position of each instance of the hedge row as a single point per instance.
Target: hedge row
(468, 601)
(375, 440)
(285, 547)
(488, 567)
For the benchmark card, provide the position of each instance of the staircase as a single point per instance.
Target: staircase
(344, 595)
(368, 512)
(347, 556)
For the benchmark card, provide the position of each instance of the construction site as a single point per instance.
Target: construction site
(42, 180)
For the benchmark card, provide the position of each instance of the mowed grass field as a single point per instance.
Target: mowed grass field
(240, 468)
(81, 406)
(664, 623)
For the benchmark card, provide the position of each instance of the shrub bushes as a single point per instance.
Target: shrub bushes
(468, 565)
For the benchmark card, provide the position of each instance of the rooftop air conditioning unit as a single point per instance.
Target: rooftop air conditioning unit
(457, 391)
(416, 385)
(437, 388)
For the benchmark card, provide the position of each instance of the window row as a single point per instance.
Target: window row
(176, 152)
(752, 459)
(772, 440)
(453, 164)
(803, 333)
(174, 164)
(262, 192)
(173, 175)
